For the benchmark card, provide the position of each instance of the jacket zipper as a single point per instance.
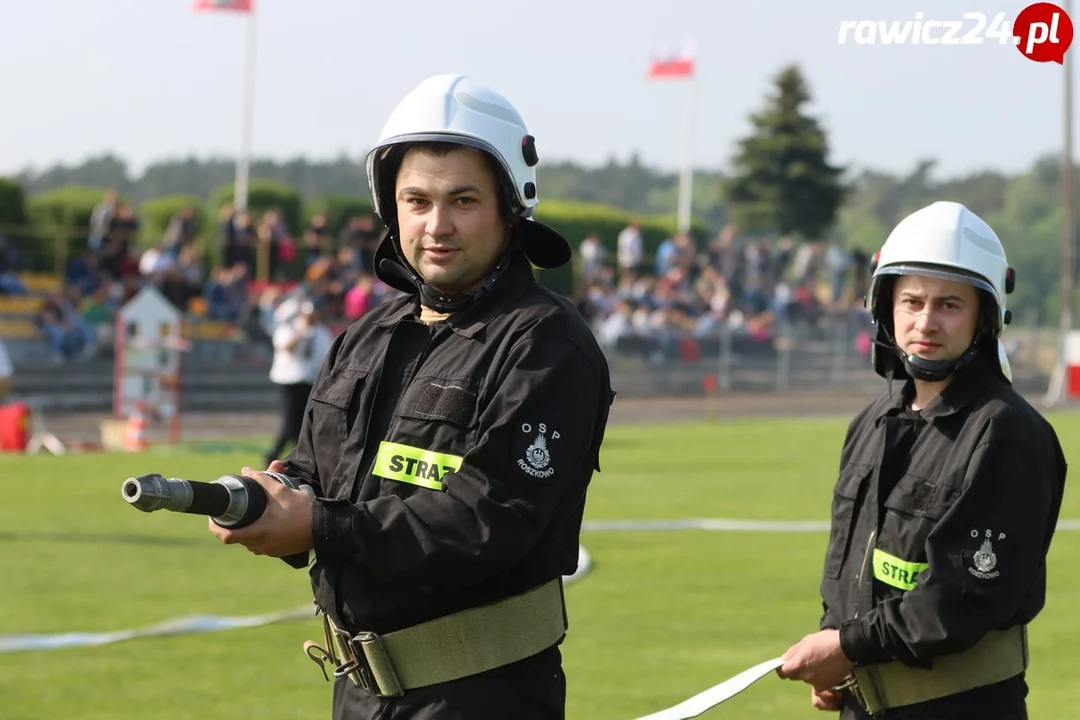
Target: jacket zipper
(862, 572)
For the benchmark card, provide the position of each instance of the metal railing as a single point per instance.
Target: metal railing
(832, 355)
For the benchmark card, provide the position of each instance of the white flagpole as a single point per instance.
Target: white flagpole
(686, 178)
(1068, 249)
(240, 190)
(1056, 392)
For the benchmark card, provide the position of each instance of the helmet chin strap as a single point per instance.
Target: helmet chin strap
(929, 370)
(437, 300)
(935, 370)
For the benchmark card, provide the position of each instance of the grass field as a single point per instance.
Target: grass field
(662, 615)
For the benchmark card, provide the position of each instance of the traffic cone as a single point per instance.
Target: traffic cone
(135, 434)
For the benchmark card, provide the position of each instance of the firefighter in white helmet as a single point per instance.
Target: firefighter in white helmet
(450, 436)
(947, 499)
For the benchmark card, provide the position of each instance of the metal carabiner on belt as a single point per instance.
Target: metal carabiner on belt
(851, 685)
(319, 654)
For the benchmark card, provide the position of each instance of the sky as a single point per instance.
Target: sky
(149, 80)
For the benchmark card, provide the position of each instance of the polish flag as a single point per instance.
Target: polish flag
(673, 65)
(236, 5)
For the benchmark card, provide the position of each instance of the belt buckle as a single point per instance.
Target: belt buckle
(358, 668)
(354, 664)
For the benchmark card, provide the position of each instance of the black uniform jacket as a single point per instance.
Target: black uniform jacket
(953, 509)
(451, 460)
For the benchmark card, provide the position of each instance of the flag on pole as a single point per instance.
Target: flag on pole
(235, 5)
(673, 65)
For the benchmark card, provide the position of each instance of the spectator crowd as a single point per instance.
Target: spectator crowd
(758, 288)
(76, 320)
(754, 287)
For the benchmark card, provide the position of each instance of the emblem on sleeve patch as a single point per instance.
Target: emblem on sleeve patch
(984, 560)
(536, 459)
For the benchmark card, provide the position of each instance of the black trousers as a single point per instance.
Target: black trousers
(1004, 715)
(532, 689)
(293, 403)
(1016, 710)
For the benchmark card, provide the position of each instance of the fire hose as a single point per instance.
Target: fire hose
(231, 501)
(235, 501)
(717, 694)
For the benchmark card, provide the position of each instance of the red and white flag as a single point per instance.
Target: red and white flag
(235, 5)
(673, 65)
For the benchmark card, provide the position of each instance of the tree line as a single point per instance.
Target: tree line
(778, 181)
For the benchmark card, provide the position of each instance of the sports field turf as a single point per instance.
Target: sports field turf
(661, 616)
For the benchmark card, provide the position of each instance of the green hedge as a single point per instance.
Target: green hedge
(12, 203)
(338, 209)
(156, 215)
(65, 213)
(577, 220)
(263, 195)
(60, 225)
(69, 208)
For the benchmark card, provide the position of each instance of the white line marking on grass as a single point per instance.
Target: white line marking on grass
(705, 524)
(211, 623)
(731, 525)
(192, 624)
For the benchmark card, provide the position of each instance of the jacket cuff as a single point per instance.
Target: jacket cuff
(332, 531)
(828, 619)
(856, 644)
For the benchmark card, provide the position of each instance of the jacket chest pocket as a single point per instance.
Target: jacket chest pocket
(335, 403)
(912, 510)
(442, 409)
(845, 499)
(917, 498)
(434, 425)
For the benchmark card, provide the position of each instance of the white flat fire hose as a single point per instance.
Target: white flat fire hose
(717, 694)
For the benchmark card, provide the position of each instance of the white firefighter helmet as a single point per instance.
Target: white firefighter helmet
(943, 240)
(457, 109)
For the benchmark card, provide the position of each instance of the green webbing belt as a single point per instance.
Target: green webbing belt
(463, 644)
(998, 656)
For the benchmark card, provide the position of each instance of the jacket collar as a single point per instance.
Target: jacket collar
(968, 385)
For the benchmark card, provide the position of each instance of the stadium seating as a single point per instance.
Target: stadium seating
(18, 328)
(203, 329)
(18, 325)
(20, 305)
(18, 315)
(41, 283)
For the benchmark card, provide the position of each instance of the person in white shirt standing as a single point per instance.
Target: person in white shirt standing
(300, 345)
(7, 372)
(630, 251)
